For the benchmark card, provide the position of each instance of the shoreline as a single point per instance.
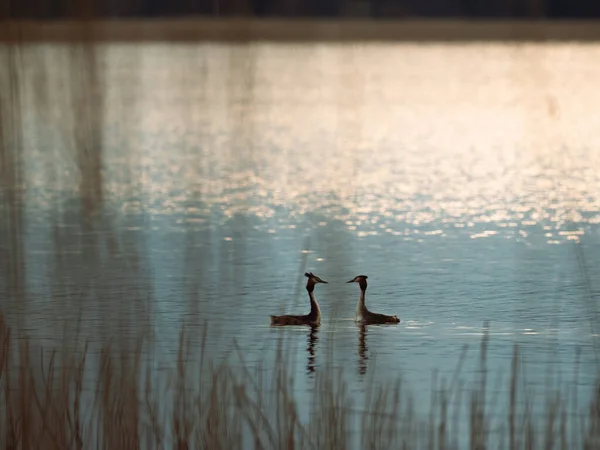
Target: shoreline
(304, 30)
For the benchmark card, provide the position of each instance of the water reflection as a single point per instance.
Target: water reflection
(192, 204)
(12, 271)
(362, 349)
(235, 131)
(313, 338)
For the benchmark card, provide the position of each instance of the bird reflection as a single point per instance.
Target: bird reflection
(362, 349)
(312, 340)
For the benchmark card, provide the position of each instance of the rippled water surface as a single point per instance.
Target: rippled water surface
(463, 179)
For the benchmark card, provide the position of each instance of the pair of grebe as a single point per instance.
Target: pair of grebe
(363, 315)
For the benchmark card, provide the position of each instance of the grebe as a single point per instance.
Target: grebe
(363, 315)
(314, 316)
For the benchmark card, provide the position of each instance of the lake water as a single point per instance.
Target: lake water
(463, 179)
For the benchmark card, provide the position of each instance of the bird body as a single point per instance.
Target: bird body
(313, 318)
(363, 315)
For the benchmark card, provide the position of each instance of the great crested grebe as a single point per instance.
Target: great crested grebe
(314, 316)
(363, 315)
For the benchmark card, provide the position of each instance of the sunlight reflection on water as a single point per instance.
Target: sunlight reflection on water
(428, 142)
(445, 171)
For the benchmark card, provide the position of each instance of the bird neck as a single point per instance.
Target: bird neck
(361, 300)
(314, 306)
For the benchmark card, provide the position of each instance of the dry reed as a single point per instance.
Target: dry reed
(64, 401)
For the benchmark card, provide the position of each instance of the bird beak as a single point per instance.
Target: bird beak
(351, 281)
(323, 281)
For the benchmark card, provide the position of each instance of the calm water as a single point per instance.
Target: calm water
(464, 180)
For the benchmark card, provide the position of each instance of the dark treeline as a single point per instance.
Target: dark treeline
(58, 9)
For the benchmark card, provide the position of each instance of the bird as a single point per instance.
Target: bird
(313, 318)
(363, 315)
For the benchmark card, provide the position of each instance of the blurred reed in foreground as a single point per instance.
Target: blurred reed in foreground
(85, 399)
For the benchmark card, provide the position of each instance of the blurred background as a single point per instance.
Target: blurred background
(381, 9)
(160, 174)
